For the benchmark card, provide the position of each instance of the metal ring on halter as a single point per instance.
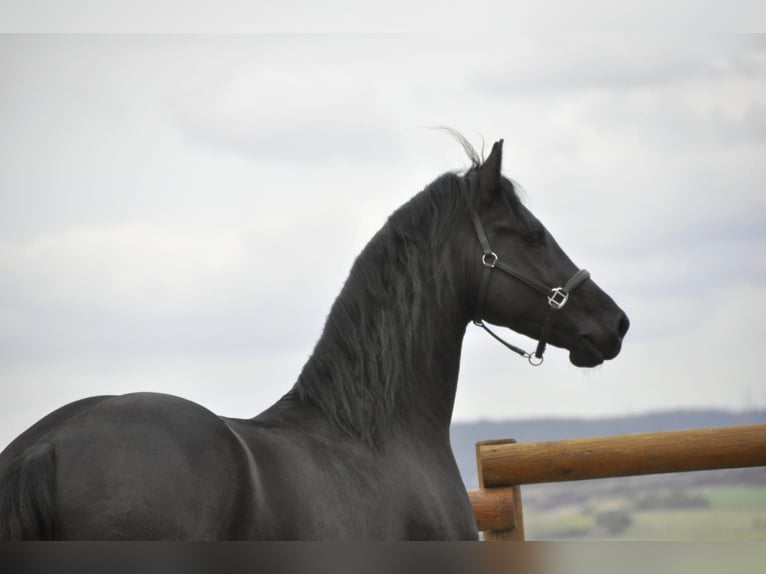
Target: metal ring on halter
(532, 358)
(486, 262)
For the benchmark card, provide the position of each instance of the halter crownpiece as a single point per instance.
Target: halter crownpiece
(557, 296)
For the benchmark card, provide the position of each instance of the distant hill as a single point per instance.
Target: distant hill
(466, 434)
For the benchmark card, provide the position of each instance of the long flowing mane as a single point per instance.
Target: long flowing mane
(361, 367)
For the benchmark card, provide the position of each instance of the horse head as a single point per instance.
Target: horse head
(519, 277)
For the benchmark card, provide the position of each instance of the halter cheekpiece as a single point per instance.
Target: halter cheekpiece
(557, 296)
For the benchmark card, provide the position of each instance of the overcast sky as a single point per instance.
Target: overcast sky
(178, 213)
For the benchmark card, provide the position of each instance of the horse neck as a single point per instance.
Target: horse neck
(388, 359)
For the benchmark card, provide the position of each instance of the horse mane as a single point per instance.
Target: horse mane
(361, 366)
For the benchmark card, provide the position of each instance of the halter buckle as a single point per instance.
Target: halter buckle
(558, 298)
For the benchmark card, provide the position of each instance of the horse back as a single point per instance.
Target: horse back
(139, 466)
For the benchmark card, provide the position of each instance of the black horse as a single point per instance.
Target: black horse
(359, 448)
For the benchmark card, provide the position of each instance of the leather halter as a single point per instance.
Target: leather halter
(557, 296)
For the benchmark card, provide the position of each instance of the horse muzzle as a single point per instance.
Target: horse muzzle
(592, 349)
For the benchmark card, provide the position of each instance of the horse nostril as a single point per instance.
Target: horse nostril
(623, 326)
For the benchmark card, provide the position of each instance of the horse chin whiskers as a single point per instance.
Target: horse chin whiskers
(585, 363)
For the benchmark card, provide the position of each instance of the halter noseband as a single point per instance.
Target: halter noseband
(557, 296)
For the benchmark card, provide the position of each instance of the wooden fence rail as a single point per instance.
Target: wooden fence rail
(505, 465)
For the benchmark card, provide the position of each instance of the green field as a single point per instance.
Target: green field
(710, 513)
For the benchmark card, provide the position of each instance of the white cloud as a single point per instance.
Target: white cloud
(396, 16)
(261, 109)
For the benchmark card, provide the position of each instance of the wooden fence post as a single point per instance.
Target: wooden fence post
(498, 511)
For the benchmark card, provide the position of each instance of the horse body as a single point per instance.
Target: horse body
(149, 466)
(152, 466)
(359, 447)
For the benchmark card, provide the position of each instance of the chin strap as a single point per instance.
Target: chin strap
(557, 296)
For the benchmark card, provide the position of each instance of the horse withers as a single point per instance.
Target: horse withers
(359, 448)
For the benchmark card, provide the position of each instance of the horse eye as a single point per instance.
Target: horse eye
(534, 237)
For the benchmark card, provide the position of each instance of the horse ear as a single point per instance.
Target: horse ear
(489, 171)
